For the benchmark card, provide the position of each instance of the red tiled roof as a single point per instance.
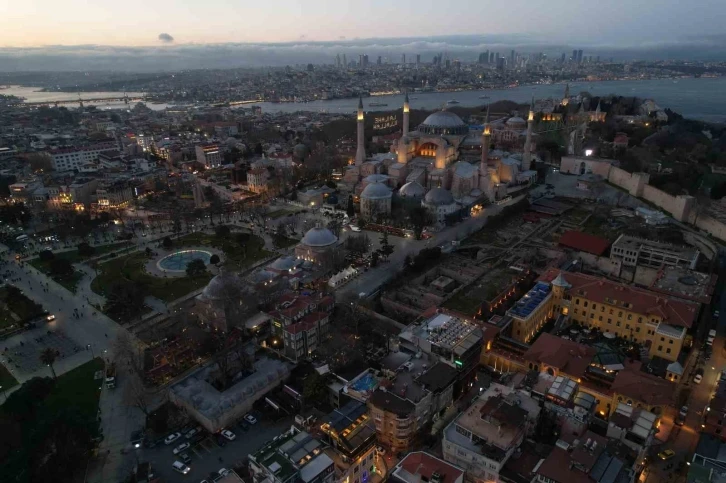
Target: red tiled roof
(584, 242)
(557, 467)
(301, 327)
(644, 387)
(566, 355)
(672, 311)
(424, 464)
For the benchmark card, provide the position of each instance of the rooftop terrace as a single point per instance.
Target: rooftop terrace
(531, 300)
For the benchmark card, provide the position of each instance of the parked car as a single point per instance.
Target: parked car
(172, 437)
(381, 450)
(190, 434)
(180, 467)
(712, 333)
(698, 378)
(137, 438)
(716, 313)
(228, 434)
(684, 411)
(666, 454)
(181, 448)
(186, 459)
(250, 419)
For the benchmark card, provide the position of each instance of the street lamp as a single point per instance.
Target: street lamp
(90, 347)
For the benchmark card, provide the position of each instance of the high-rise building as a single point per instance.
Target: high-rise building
(562, 59)
(512, 57)
(403, 58)
(378, 60)
(360, 60)
(345, 62)
(579, 56)
(574, 56)
(418, 59)
(337, 61)
(491, 57)
(447, 64)
(500, 63)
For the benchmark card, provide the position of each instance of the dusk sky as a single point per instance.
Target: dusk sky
(33, 23)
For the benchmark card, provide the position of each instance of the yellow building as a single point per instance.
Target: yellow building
(654, 320)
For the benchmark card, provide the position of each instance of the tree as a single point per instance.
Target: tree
(125, 300)
(48, 357)
(315, 388)
(61, 267)
(350, 209)
(166, 242)
(420, 219)
(222, 232)
(386, 247)
(86, 250)
(196, 267)
(214, 259)
(375, 256)
(46, 256)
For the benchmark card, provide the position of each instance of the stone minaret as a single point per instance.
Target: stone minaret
(360, 152)
(486, 140)
(405, 115)
(527, 156)
(566, 98)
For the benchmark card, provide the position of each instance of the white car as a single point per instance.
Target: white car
(223, 472)
(710, 340)
(354, 228)
(250, 419)
(228, 434)
(698, 379)
(712, 333)
(180, 467)
(171, 438)
(50, 317)
(181, 448)
(191, 433)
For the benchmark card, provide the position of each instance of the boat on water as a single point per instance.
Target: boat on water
(453, 101)
(377, 104)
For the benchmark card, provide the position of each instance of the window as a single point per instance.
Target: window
(600, 318)
(660, 348)
(637, 329)
(577, 301)
(610, 321)
(668, 350)
(611, 311)
(620, 313)
(670, 341)
(662, 339)
(630, 316)
(592, 316)
(584, 304)
(594, 306)
(618, 324)
(602, 309)
(640, 319)
(574, 311)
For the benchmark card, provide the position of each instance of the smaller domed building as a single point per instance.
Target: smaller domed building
(218, 305)
(317, 245)
(375, 201)
(440, 203)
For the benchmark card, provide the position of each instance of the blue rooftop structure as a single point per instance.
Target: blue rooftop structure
(531, 300)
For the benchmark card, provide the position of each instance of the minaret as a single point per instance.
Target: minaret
(486, 140)
(360, 152)
(566, 99)
(527, 157)
(405, 115)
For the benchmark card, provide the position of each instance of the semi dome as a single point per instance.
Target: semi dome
(516, 121)
(376, 191)
(438, 197)
(443, 122)
(319, 237)
(412, 189)
(221, 286)
(376, 178)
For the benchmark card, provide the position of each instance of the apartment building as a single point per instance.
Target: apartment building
(483, 438)
(351, 435)
(293, 457)
(210, 155)
(418, 467)
(75, 158)
(634, 251)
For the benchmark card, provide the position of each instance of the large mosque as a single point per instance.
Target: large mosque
(434, 163)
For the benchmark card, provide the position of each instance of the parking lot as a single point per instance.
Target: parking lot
(208, 456)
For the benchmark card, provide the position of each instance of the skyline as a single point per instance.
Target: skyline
(165, 23)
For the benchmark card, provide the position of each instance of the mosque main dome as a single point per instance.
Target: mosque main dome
(438, 197)
(376, 191)
(443, 122)
(319, 237)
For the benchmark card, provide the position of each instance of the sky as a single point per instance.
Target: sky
(148, 35)
(33, 23)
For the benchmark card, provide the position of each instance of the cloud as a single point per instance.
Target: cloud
(166, 38)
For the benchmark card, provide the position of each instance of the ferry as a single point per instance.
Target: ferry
(377, 104)
(453, 101)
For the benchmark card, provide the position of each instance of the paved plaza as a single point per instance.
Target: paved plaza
(23, 354)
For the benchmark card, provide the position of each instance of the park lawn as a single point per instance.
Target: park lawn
(131, 267)
(234, 254)
(278, 214)
(285, 242)
(69, 282)
(21, 305)
(462, 303)
(6, 319)
(77, 388)
(6, 379)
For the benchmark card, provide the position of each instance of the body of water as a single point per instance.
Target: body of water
(701, 98)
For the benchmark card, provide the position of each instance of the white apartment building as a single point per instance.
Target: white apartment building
(75, 158)
(634, 251)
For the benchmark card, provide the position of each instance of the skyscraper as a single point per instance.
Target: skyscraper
(574, 56)
(345, 62)
(337, 61)
(562, 59)
(378, 60)
(512, 56)
(418, 60)
(579, 56)
(403, 58)
(491, 57)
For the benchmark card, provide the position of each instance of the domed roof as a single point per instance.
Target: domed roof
(438, 197)
(376, 178)
(412, 189)
(319, 237)
(464, 169)
(443, 123)
(222, 286)
(284, 263)
(444, 119)
(516, 120)
(300, 151)
(376, 191)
